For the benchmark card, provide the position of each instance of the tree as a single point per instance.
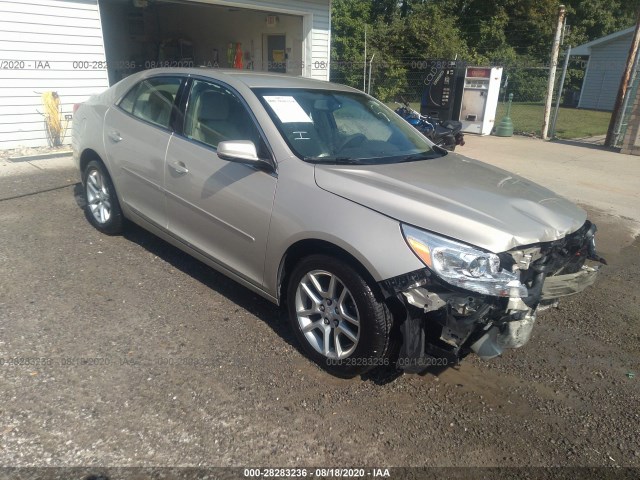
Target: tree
(383, 9)
(592, 19)
(349, 19)
(500, 30)
(516, 33)
(427, 33)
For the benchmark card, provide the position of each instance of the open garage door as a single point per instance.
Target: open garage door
(141, 34)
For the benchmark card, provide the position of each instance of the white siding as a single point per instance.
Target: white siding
(604, 72)
(48, 36)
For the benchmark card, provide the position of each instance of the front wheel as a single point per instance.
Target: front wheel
(102, 208)
(337, 318)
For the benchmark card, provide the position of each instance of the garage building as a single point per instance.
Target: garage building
(79, 47)
(607, 61)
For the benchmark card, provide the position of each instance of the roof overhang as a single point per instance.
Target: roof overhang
(585, 48)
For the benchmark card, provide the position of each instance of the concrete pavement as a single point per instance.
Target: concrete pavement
(29, 177)
(588, 175)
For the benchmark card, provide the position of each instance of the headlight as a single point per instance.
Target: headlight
(462, 265)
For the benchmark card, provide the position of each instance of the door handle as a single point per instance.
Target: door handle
(179, 167)
(115, 136)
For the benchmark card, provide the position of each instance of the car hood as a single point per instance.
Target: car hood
(457, 197)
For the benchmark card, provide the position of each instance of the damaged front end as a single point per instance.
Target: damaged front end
(468, 301)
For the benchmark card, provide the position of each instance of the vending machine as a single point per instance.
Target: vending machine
(443, 82)
(480, 99)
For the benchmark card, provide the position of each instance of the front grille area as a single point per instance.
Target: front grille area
(560, 257)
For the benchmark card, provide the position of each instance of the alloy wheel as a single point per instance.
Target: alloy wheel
(327, 314)
(98, 197)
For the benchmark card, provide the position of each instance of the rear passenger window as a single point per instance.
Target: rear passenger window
(152, 100)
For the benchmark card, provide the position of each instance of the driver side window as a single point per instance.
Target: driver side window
(214, 114)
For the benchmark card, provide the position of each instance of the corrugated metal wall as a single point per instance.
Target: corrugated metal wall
(601, 82)
(41, 43)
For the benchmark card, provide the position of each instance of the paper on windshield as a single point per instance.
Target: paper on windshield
(287, 109)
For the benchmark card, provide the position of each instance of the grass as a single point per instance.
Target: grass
(571, 123)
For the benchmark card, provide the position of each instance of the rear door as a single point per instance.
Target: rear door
(221, 208)
(136, 136)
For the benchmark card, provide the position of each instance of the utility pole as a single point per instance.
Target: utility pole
(559, 95)
(370, 62)
(555, 50)
(364, 72)
(617, 113)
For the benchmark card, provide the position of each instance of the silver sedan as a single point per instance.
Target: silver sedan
(386, 250)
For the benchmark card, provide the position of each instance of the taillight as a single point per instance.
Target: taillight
(76, 106)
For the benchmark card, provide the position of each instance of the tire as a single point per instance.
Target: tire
(448, 145)
(323, 322)
(102, 208)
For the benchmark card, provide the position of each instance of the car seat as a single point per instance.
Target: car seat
(213, 123)
(158, 107)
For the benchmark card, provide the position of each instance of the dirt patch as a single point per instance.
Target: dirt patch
(134, 354)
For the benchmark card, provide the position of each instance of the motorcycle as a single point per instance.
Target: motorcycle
(446, 134)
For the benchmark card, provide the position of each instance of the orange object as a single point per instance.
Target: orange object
(238, 61)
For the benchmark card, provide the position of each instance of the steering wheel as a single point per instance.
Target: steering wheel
(351, 141)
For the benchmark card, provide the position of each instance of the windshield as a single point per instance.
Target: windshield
(329, 126)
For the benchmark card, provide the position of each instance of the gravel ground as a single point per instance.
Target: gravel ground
(138, 355)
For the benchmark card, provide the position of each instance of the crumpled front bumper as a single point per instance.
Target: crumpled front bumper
(570, 284)
(513, 334)
(516, 333)
(445, 322)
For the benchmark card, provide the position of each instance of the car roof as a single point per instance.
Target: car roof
(254, 79)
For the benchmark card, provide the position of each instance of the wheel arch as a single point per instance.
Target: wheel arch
(89, 154)
(86, 156)
(303, 248)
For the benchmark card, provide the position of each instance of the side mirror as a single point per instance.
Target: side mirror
(242, 151)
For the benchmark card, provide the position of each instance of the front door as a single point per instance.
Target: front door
(221, 208)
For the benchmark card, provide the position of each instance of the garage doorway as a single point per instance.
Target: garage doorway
(275, 52)
(143, 35)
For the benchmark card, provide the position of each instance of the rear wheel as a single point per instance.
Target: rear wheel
(336, 317)
(102, 208)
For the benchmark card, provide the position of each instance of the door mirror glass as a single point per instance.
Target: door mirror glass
(243, 151)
